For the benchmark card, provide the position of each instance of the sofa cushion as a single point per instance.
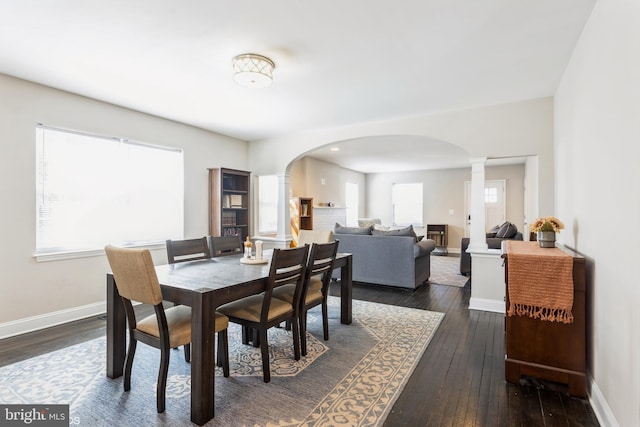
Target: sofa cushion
(365, 222)
(406, 231)
(339, 229)
(507, 231)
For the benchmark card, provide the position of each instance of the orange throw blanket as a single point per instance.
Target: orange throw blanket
(540, 282)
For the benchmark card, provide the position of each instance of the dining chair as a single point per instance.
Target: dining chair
(183, 251)
(136, 280)
(261, 312)
(315, 289)
(187, 250)
(226, 245)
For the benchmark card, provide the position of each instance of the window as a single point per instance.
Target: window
(267, 204)
(490, 195)
(407, 204)
(351, 196)
(93, 190)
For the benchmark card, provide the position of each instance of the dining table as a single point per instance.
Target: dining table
(204, 285)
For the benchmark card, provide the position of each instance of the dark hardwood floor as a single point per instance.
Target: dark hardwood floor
(458, 382)
(460, 379)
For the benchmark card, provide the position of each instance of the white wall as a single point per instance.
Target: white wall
(506, 130)
(28, 288)
(597, 145)
(325, 182)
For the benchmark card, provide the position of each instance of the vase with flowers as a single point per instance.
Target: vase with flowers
(547, 227)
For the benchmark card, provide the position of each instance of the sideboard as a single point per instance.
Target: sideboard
(547, 350)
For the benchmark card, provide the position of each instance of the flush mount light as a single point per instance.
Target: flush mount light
(251, 70)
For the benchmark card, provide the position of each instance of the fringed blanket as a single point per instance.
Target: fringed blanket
(540, 282)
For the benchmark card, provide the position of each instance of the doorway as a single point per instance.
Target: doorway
(494, 204)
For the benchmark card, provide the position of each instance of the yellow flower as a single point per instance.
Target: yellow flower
(549, 223)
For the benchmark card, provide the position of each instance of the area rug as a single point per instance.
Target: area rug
(351, 380)
(445, 270)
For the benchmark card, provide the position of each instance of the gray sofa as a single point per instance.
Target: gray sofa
(388, 260)
(505, 231)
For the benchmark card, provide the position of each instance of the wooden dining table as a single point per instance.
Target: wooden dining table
(204, 285)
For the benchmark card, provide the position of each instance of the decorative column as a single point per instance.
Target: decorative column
(487, 273)
(283, 235)
(477, 232)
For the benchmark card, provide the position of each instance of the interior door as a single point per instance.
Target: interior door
(494, 204)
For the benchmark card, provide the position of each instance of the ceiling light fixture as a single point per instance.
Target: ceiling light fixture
(251, 70)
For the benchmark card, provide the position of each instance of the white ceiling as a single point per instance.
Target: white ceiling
(337, 62)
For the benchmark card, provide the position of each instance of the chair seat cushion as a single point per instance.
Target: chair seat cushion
(178, 321)
(222, 322)
(249, 308)
(314, 292)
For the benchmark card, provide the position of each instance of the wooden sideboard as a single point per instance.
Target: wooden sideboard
(551, 351)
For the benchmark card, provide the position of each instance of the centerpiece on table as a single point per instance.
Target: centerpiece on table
(547, 227)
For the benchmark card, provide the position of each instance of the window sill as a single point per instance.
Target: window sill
(63, 255)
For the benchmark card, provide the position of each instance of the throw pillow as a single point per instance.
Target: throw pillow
(365, 222)
(339, 229)
(507, 231)
(380, 227)
(407, 231)
(493, 231)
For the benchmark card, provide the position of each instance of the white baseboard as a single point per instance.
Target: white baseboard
(495, 306)
(30, 324)
(601, 407)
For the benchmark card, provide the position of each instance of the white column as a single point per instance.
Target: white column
(477, 232)
(284, 223)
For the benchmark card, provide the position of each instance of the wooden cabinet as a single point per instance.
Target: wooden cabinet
(306, 213)
(229, 202)
(551, 351)
(438, 233)
(301, 214)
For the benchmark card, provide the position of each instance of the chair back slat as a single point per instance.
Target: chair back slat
(226, 245)
(187, 250)
(321, 260)
(288, 266)
(135, 274)
(322, 257)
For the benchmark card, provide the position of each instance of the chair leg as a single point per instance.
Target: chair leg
(162, 379)
(325, 320)
(303, 332)
(187, 353)
(255, 337)
(223, 352)
(129, 363)
(264, 346)
(246, 335)
(296, 339)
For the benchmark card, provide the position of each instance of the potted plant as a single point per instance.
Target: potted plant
(547, 227)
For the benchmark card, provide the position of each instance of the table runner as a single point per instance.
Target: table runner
(540, 282)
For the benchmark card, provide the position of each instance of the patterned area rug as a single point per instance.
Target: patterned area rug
(445, 270)
(351, 380)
